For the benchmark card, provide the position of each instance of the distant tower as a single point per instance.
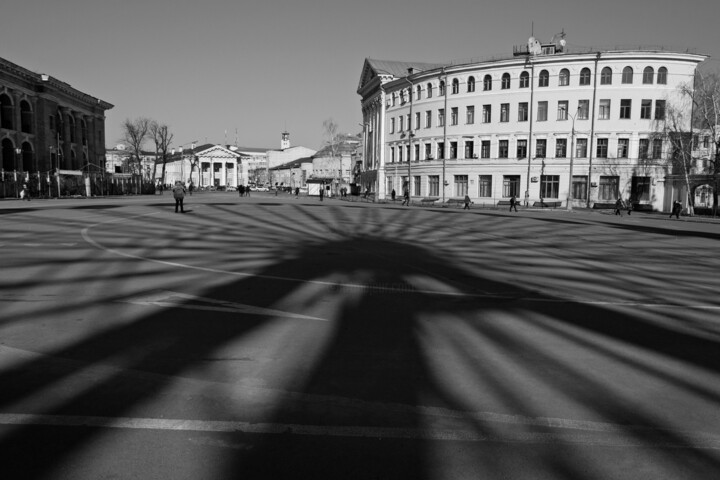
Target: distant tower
(285, 142)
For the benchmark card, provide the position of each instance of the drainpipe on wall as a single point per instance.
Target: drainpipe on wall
(592, 130)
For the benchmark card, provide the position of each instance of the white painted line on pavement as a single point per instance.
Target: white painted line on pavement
(658, 438)
(164, 298)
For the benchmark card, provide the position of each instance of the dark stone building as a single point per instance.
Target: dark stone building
(46, 124)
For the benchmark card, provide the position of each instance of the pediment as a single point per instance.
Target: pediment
(217, 151)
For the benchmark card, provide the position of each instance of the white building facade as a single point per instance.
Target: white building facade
(518, 126)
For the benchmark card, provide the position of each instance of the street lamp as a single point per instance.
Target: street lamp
(572, 157)
(18, 151)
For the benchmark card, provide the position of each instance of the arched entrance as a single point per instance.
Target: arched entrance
(27, 157)
(8, 155)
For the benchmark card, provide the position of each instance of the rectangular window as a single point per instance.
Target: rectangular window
(659, 109)
(441, 117)
(453, 116)
(434, 185)
(417, 120)
(604, 111)
(453, 150)
(640, 189)
(400, 154)
(469, 149)
(625, 108)
(392, 155)
(503, 149)
(706, 141)
(416, 147)
(470, 115)
(392, 125)
(540, 148)
(461, 185)
(560, 147)
(485, 186)
(646, 109)
(428, 151)
(542, 111)
(401, 123)
(521, 149)
(428, 119)
(511, 186)
(562, 112)
(505, 112)
(549, 186)
(623, 147)
(390, 184)
(602, 148)
(643, 148)
(657, 148)
(441, 150)
(487, 113)
(583, 110)
(581, 148)
(485, 149)
(609, 188)
(579, 187)
(416, 185)
(409, 126)
(522, 112)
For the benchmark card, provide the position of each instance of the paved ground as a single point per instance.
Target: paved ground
(274, 337)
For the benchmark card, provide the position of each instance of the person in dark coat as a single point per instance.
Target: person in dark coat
(241, 190)
(619, 206)
(513, 203)
(392, 194)
(179, 194)
(467, 203)
(406, 198)
(676, 209)
(322, 192)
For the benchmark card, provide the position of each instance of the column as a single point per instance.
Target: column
(64, 129)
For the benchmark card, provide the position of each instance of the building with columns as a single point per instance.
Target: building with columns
(545, 124)
(47, 124)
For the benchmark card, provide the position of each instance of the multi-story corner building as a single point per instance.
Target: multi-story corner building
(46, 124)
(545, 125)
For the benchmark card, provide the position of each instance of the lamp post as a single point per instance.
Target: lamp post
(569, 205)
(18, 151)
(410, 137)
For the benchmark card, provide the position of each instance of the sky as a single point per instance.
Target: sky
(243, 71)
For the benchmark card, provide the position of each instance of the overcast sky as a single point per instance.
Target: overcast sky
(259, 67)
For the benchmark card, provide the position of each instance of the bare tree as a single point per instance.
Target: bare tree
(162, 139)
(332, 141)
(706, 101)
(135, 133)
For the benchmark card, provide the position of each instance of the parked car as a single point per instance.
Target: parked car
(260, 188)
(231, 189)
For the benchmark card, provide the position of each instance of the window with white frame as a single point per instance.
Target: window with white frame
(657, 148)
(454, 116)
(583, 112)
(564, 77)
(540, 148)
(486, 113)
(560, 147)
(429, 90)
(579, 187)
(623, 147)
(504, 112)
(433, 185)
(606, 76)
(604, 109)
(581, 148)
(455, 86)
(453, 150)
(469, 149)
(609, 188)
(625, 108)
(392, 125)
(562, 111)
(627, 75)
(505, 81)
(485, 186)
(428, 151)
(662, 76)
(524, 80)
(643, 148)
(417, 182)
(461, 185)
(646, 109)
(648, 76)
(503, 149)
(543, 78)
(522, 112)
(487, 83)
(470, 115)
(471, 84)
(602, 148)
(521, 150)
(659, 109)
(585, 76)
(485, 149)
(442, 88)
(542, 111)
(441, 150)
(549, 186)
(511, 186)
(441, 117)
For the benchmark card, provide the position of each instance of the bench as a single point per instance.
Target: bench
(455, 201)
(428, 201)
(503, 203)
(543, 204)
(603, 206)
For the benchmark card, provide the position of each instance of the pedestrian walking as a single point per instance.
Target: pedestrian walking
(297, 192)
(676, 209)
(241, 190)
(322, 192)
(513, 203)
(392, 194)
(179, 194)
(25, 193)
(619, 206)
(406, 198)
(467, 203)
(629, 207)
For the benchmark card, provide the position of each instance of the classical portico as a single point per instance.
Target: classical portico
(219, 167)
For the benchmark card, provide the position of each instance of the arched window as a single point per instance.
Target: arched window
(524, 80)
(471, 84)
(505, 82)
(429, 90)
(83, 131)
(544, 78)
(487, 82)
(71, 124)
(442, 88)
(606, 76)
(627, 75)
(25, 117)
(8, 155)
(662, 76)
(585, 76)
(419, 92)
(455, 86)
(648, 75)
(27, 157)
(6, 113)
(564, 78)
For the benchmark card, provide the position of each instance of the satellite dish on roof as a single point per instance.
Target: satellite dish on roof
(563, 42)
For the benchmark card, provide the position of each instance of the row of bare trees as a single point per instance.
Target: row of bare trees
(137, 132)
(694, 111)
